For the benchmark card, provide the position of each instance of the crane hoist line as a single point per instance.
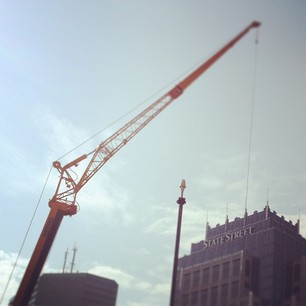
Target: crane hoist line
(63, 202)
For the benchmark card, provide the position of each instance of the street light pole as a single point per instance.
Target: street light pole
(181, 201)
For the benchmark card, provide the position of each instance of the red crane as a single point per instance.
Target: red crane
(63, 203)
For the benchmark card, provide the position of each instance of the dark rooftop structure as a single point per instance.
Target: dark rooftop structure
(75, 289)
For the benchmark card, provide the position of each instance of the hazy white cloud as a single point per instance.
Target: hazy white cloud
(21, 173)
(210, 183)
(203, 137)
(162, 221)
(7, 262)
(153, 296)
(151, 292)
(57, 131)
(102, 194)
(11, 280)
(106, 198)
(124, 279)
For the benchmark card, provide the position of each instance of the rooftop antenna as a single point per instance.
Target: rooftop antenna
(65, 260)
(267, 204)
(206, 227)
(299, 221)
(226, 219)
(251, 130)
(73, 258)
(299, 213)
(245, 216)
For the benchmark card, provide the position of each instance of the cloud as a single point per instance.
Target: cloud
(104, 197)
(59, 134)
(163, 221)
(151, 292)
(124, 279)
(9, 281)
(7, 262)
(13, 159)
(210, 183)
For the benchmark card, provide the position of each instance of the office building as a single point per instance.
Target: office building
(256, 260)
(75, 289)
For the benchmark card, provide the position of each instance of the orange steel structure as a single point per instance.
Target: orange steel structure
(63, 203)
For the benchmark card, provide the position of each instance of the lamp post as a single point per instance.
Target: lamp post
(181, 201)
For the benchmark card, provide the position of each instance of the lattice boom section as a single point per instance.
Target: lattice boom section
(115, 142)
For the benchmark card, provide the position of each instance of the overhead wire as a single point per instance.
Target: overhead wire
(251, 120)
(25, 237)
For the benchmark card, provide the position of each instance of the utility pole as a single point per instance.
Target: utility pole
(181, 201)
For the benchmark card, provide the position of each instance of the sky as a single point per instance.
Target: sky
(70, 69)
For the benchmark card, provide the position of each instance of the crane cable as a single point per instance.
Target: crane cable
(67, 153)
(162, 90)
(78, 146)
(25, 237)
(251, 120)
(61, 157)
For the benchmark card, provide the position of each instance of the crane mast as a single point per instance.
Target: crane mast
(63, 202)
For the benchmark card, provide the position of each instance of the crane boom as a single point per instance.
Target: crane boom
(116, 141)
(63, 201)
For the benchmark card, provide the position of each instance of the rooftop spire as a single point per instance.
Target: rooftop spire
(206, 227)
(226, 218)
(267, 205)
(298, 221)
(245, 215)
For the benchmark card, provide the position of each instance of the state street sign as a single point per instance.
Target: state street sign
(228, 237)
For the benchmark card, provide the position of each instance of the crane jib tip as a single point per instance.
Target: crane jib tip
(255, 24)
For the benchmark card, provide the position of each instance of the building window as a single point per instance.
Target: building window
(225, 270)
(235, 288)
(186, 281)
(236, 266)
(296, 289)
(297, 273)
(205, 277)
(194, 298)
(215, 273)
(185, 300)
(196, 278)
(214, 296)
(223, 295)
(247, 268)
(204, 297)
